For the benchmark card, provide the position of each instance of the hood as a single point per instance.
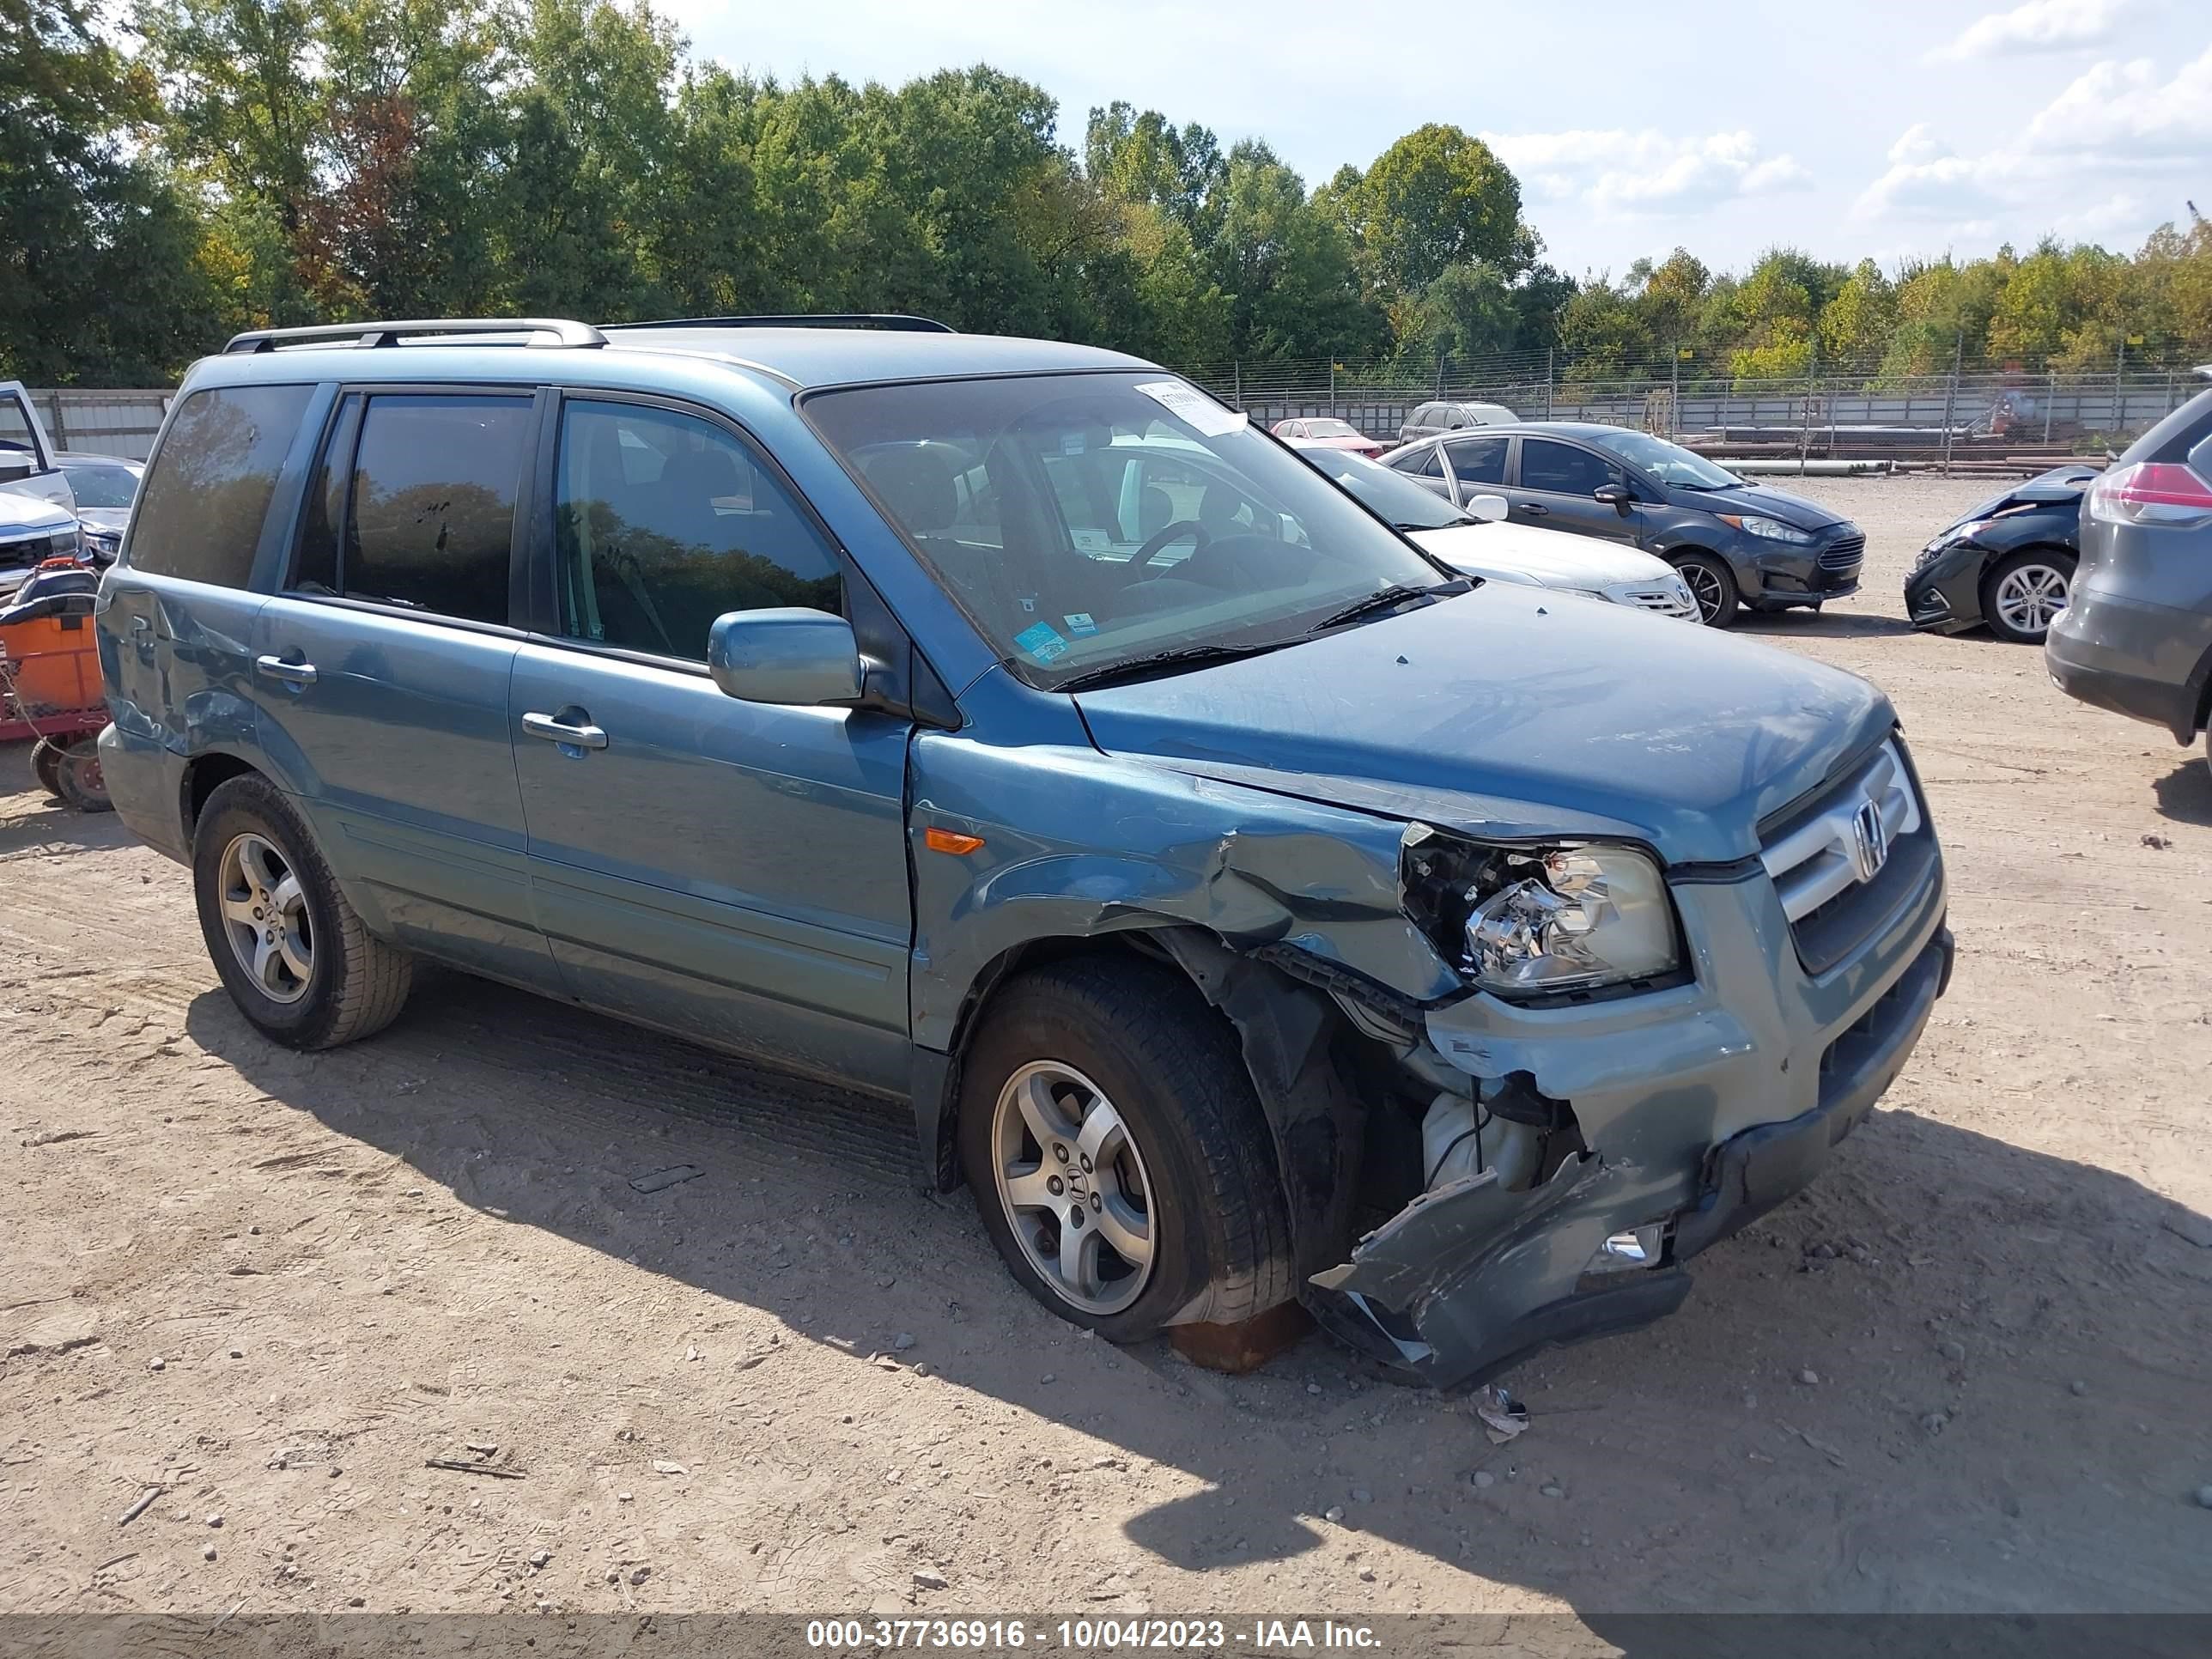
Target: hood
(1512, 710)
(2061, 486)
(1749, 498)
(1353, 443)
(1553, 558)
(19, 512)
(104, 518)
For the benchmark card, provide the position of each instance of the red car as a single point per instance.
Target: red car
(1311, 434)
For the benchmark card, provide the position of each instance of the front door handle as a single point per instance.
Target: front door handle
(292, 673)
(1535, 509)
(557, 730)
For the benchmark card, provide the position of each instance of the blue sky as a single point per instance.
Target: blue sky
(1879, 128)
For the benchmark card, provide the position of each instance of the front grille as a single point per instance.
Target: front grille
(24, 554)
(1814, 853)
(1664, 600)
(1845, 554)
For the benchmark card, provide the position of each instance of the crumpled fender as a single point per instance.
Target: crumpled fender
(1254, 870)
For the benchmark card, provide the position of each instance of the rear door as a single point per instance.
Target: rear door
(381, 668)
(1552, 489)
(731, 871)
(26, 456)
(1478, 466)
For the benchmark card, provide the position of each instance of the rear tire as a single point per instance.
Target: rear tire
(2023, 593)
(79, 779)
(1192, 1178)
(46, 767)
(1712, 584)
(266, 897)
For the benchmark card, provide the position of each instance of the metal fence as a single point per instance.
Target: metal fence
(1988, 417)
(101, 422)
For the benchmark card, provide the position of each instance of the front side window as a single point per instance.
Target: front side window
(665, 521)
(200, 510)
(1128, 516)
(429, 516)
(1480, 460)
(1561, 469)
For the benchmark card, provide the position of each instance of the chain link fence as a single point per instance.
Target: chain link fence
(1983, 417)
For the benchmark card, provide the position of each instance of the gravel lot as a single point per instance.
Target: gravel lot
(1969, 1370)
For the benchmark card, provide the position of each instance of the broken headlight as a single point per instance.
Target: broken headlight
(1536, 922)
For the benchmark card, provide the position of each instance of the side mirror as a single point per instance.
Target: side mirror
(1615, 496)
(787, 655)
(1491, 509)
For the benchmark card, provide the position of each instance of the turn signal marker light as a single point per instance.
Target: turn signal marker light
(949, 840)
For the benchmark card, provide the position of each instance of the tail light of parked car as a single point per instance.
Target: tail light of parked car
(2164, 494)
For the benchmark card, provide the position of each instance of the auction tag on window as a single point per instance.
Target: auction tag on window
(1193, 408)
(1043, 642)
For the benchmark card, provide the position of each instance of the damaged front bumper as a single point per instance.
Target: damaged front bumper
(1696, 1113)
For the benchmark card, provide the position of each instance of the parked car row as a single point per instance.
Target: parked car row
(1250, 905)
(54, 504)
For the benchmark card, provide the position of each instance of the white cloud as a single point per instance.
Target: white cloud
(2038, 26)
(2124, 111)
(1649, 172)
(2115, 121)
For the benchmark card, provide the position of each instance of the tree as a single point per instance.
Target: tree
(86, 214)
(1856, 323)
(1467, 313)
(1436, 198)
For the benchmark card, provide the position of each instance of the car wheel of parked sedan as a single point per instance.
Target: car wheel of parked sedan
(1712, 584)
(2023, 594)
(293, 954)
(1117, 1153)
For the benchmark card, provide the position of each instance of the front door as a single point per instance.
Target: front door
(1554, 490)
(381, 670)
(27, 455)
(733, 872)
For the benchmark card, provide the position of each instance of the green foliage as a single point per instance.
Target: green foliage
(247, 162)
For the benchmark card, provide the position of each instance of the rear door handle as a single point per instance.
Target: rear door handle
(292, 673)
(554, 731)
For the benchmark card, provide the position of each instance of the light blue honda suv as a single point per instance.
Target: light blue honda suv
(1250, 907)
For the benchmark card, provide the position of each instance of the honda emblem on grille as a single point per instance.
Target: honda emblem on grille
(1869, 846)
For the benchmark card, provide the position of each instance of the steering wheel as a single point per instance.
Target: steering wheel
(1158, 542)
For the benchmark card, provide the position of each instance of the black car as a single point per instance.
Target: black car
(1734, 543)
(2009, 561)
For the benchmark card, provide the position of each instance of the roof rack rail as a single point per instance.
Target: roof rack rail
(564, 333)
(895, 322)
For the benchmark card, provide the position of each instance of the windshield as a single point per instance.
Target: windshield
(1390, 495)
(102, 486)
(1668, 463)
(1088, 520)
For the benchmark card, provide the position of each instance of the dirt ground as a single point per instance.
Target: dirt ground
(1968, 1369)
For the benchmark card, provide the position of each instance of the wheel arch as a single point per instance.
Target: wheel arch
(203, 775)
(1290, 1034)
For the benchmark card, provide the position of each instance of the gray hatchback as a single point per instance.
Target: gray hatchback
(2135, 636)
(1248, 907)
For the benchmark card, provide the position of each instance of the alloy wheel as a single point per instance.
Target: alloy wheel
(1074, 1187)
(2030, 598)
(1706, 589)
(265, 916)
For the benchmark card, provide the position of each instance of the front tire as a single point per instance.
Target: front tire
(1117, 1153)
(1712, 584)
(2024, 592)
(294, 955)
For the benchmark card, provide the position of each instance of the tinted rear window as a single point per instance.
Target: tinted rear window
(201, 506)
(431, 516)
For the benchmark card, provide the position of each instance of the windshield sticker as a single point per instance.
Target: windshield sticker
(1043, 642)
(1193, 408)
(1079, 623)
(1071, 443)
